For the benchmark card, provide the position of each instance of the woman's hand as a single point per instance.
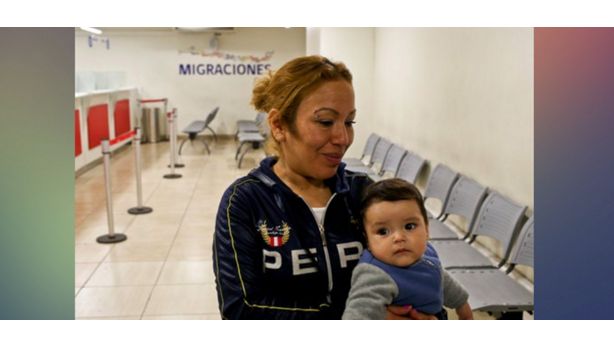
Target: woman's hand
(406, 313)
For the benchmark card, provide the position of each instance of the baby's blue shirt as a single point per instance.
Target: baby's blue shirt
(420, 284)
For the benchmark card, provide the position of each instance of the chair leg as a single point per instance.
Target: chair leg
(214, 135)
(181, 145)
(242, 155)
(239, 150)
(206, 146)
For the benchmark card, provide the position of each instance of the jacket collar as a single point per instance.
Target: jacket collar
(264, 173)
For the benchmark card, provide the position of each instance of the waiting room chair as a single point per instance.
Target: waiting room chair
(410, 167)
(499, 218)
(250, 125)
(377, 158)
(492, 290)
(209, 119)
(393, 159)
(366, 152)
(253, 140)
(439, 186)
(464, 199)
(390, 164)
(198, 126)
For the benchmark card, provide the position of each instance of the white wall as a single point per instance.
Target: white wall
(312, 41)
(463, 97)
(355, 48)
(151, 58)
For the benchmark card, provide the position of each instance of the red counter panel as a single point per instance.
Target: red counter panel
(122, 117)
(77, 133)
(97, 125)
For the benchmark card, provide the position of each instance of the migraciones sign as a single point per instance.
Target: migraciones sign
(236, 65)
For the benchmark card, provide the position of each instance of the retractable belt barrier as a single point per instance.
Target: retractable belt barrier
(174, 136)
(173, 139)
(154, 100)
(139, 209)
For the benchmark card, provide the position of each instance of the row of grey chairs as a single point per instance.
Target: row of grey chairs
(386, 158)
(487, 214)
(252, 133)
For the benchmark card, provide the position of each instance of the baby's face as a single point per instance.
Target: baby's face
(396, 232)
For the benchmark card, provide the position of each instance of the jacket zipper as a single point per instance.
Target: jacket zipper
(324, 245)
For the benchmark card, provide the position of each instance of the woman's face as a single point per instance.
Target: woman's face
(323, 131)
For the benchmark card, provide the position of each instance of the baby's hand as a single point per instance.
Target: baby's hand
(417, 315)
(464, 312)
(406, 313)
(395, 312)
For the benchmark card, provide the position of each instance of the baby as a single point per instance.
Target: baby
(399, 266)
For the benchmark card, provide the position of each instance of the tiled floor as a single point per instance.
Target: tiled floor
(164, 270)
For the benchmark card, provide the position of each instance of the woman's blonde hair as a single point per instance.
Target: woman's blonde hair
(286, 88)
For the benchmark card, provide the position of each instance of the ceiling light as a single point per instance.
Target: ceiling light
(92, 30)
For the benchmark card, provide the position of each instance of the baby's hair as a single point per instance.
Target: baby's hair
(392, 190)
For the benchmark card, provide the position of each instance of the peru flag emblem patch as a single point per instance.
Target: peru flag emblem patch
(274, 236)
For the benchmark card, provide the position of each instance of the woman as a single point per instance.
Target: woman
(287, 234)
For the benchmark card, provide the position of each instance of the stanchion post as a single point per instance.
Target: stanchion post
(139, 209)
(177, 163)
(173, 139)
(111, 237)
